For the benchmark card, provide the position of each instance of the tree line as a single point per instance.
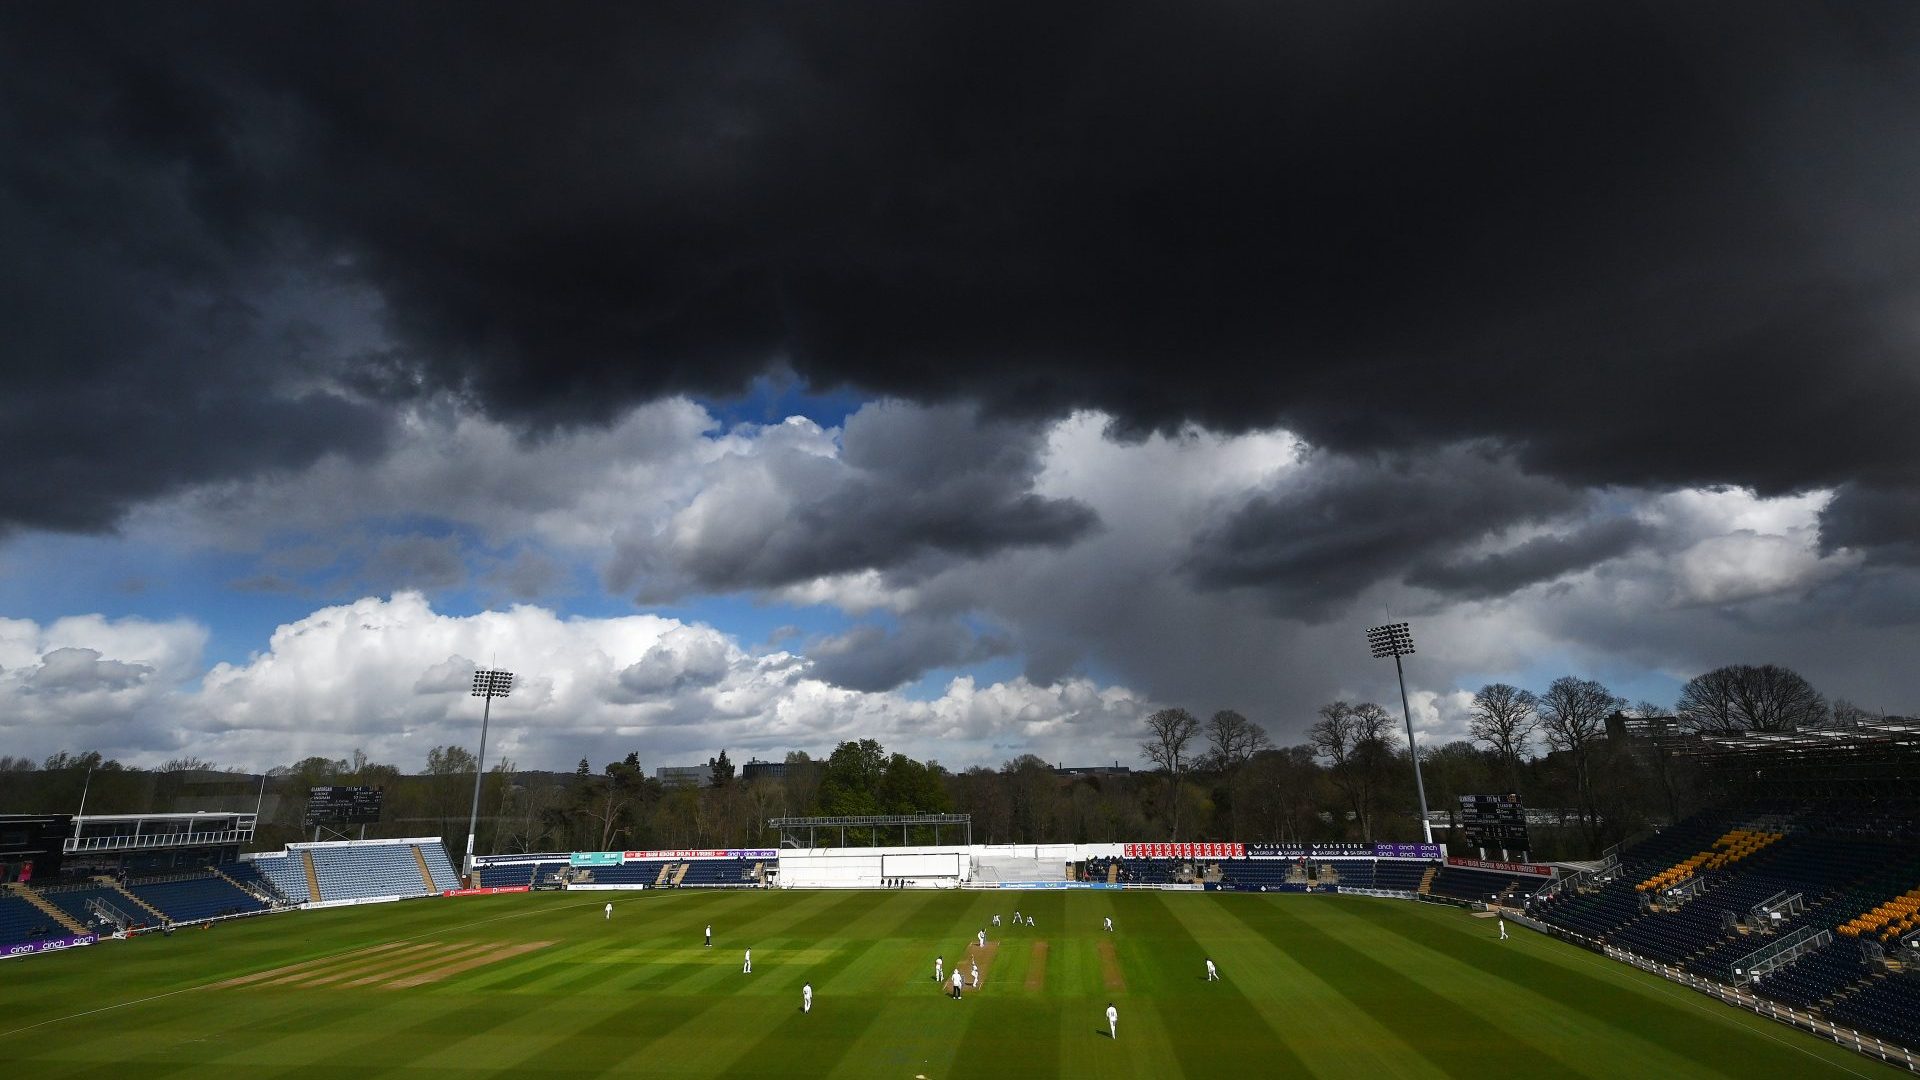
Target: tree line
(1350, 779)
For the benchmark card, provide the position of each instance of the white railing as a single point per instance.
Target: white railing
(147, 841)
(1868, 1045)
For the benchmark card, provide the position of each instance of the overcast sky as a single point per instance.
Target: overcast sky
(976, 378)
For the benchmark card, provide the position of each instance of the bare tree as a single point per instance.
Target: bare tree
(1746, 697)
(1845, 714)
(1503, 719)
(1357, 741)
(1573, 713)
(1232, 740)
(1168, 733)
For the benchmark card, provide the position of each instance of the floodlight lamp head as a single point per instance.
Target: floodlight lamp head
(492, 684)
(1393, 639)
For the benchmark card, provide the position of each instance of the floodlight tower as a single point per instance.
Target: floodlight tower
(1396, 640)
(488, 684)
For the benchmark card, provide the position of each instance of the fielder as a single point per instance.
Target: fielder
(709, 935)
(1029, 920)
(609, 909)
(747, 968)
(1113, 1021)
(1503, 926)
(996, 919)
(1109, 924)
(806, 998)
(939, 966)
(1016, 917)
(1213, 973)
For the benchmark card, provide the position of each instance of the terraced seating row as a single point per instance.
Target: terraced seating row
(194, 899)
(1886, 1005)
(1472, 884)
(20, 921)
(1888, 920)
(1731, 847)
(1819, 975)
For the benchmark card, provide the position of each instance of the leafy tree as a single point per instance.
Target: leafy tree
(850, 782)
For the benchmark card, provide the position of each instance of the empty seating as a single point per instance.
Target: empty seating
(196, 898)
(440, 866)
(367, 871)
(287, 873)
(21, 921)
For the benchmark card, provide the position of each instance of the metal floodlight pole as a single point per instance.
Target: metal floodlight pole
(488, 684)
(1396, 640)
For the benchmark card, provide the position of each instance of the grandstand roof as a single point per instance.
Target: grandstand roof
(1884, 732)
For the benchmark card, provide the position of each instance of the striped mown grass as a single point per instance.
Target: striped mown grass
(542, 985)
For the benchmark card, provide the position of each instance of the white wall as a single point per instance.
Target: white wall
(858, 868)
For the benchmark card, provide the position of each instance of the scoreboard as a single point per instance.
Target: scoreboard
(343, 805)
(1495, 821)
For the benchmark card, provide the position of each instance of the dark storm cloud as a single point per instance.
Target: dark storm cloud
(1542, 558)
(1638, 244)
(1882, 523)
(1341, 525)
(871, 659)
(912, 489)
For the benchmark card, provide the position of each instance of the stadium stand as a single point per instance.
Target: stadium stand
(718, 872)
(1401, 875)
(440, 866)
(20, 921)
(287, 872)
(195, 898)
(370, 870)
(1466, 883)
(1716, 889)
(72, 899)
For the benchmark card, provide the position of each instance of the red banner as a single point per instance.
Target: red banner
(1536, 869)
(491, 890)
(1208, 850)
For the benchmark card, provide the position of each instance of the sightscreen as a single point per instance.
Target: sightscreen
(945, 864)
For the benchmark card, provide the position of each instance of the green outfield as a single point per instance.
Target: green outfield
(543, 985)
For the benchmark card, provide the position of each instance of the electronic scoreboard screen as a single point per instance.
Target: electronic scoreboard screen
(1495, 821)
(343, 805)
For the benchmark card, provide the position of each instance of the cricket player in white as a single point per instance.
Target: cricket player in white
(1113, 1021)
(709, 935)
(609, 909)
(996, 920)
(976, 974)
(1016, 918)
(1029, 920)
(1503, 926)
(1109, 924)
(956, 984)
(747, 968)
(806, 998)
(981, 937)
(1213, 974)
(939, 968)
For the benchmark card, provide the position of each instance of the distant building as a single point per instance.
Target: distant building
(1621, 726)
(679, 776)
(1115, 769)
(755, 769)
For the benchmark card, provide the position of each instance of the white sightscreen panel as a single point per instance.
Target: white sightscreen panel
(946, 864)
